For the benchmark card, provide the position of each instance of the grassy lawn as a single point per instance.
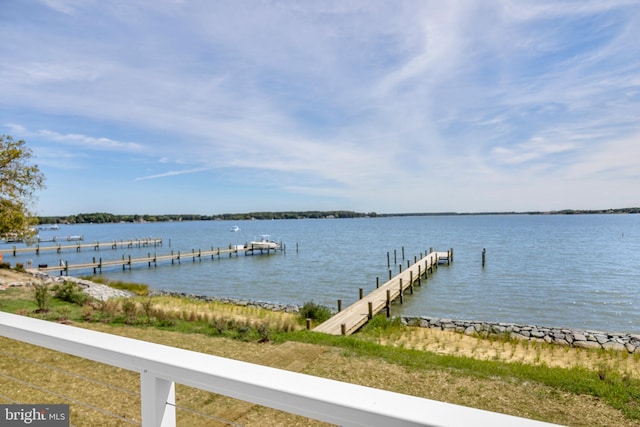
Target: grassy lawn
(555, 384)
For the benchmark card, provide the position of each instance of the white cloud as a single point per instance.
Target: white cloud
(64, 6)
(89, 142)
(171, 173)
(355, 99)
(535, 149)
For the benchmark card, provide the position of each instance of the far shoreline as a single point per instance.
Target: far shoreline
(103, 217)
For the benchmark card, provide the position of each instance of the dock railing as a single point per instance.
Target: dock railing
(161, 367)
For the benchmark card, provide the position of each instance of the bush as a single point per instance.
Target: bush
(42, 296)
(315, 312)
(69, 292)
(130, 310)
(381, 323)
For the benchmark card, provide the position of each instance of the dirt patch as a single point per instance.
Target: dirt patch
(10, 277)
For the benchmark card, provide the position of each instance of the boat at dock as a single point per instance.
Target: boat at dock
(264, 242)
(49, 227)
(234, 228)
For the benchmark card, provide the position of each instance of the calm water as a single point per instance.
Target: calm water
(572, 271)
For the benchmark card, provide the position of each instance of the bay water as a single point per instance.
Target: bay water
(574, 271)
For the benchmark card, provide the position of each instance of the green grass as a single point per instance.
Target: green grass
(617, 389)
(139, 289)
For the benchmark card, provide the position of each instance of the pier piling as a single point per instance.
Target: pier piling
(350, 319)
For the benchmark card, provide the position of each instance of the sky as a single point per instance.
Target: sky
(209, 107)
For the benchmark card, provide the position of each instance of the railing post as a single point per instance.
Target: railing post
(158, 399)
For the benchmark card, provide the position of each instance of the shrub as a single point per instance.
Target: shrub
(42, 296)
(69, 292)
(130, 309)
(382, 323)
(315, 312)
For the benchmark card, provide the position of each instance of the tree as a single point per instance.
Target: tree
(19, 181)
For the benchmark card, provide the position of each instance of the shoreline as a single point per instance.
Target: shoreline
(578, 338)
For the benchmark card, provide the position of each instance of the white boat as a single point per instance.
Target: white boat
(264, 242)
(234, 228)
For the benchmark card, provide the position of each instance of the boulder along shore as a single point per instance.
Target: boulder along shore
(617, 341)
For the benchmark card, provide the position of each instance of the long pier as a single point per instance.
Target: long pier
(131, 243)
(349, 320)
(153, 259)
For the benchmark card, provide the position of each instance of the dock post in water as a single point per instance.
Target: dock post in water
(411, 282)
(388, 304)
(360, 312)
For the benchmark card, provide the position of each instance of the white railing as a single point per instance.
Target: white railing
(161, 366)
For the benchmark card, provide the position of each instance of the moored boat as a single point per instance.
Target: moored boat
(264, 242)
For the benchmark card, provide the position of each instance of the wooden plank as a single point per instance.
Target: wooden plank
(77, 246)
(148, 259)
(357, 314)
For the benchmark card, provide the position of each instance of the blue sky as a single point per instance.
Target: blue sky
(209, 107)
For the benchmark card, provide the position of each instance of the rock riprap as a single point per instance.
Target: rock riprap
(561, 336)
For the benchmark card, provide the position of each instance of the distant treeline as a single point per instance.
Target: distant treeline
(602, 211)
(561, 212)
(102, 217)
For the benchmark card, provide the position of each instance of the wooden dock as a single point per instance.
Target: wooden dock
(131, 243)
(153, 259)
(349, 320)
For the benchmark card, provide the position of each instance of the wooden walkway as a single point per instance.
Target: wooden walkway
(153, 259)
(131, 243)
(349, 320)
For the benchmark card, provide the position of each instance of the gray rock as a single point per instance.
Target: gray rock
(579, 337)
(612, 345)
(601, 338)
(586, 344)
